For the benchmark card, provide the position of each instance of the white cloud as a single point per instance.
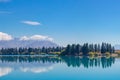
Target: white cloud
(5, 36)
(5, 0)
(36, 37)
(34, 23)
(24, 38)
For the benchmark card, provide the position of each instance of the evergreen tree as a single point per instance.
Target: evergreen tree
(78, 49)
(96, 47)
(68, 50)
(85, 49)
(73, 50)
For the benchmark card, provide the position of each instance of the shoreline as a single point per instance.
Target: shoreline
(112, 55)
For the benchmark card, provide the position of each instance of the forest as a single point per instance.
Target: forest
(74, 49)
(89, 49)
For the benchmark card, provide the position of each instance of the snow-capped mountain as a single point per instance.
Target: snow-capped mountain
(16, 43)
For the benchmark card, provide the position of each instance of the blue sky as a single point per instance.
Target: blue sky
(66, 21)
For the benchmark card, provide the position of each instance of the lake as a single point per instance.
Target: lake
(59, 68)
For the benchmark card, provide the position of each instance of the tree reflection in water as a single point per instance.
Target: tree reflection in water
(87, 62)
(71, 61)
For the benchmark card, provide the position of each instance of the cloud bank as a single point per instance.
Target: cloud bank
(34, 23)
(36, 37)
(7, 37)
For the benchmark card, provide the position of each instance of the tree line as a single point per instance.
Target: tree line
(74, 49)
(30, 51)
(85, 49)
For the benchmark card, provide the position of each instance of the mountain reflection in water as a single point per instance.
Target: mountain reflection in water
(39, 64)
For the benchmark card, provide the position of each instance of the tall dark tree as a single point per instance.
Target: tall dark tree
(78, 49)
(85, 49)
(103, 48)
(73, 50)
(68, 50)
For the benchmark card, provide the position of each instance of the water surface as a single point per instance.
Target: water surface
(58, 68)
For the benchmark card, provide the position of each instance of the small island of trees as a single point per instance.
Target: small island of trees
(72, 50)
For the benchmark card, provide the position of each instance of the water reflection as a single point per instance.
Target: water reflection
(25, 64)
(40, 64)
(5, 71)
(88, 62)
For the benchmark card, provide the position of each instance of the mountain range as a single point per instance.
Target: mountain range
(17, 43)
(117, 47)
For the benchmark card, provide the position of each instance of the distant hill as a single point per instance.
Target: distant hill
(117, 47)
(16, 43)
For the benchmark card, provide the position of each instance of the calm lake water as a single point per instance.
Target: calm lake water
(58, 68)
